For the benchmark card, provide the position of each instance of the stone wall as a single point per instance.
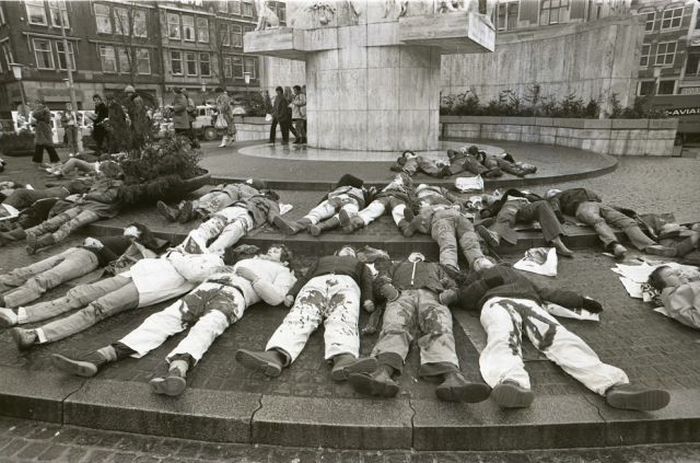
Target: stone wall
(281, 72)
(252, 128)
(619, 137)
(594, 60)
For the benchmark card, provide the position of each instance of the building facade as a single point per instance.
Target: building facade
(154, 46)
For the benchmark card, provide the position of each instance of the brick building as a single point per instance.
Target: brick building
(153, 45)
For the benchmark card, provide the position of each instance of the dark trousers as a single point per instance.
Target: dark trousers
(301, 130)
(98, 134)
(39, 153)
(189, 133)
(285, 128)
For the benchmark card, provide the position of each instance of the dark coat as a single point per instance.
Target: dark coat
(43, 134)
(181, 120)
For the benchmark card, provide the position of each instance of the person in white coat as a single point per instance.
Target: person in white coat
(216, 304)
(148, 282)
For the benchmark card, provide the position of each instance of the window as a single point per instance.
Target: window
(143, 61)
(224, 35)
(507, 18)
(173, 26)
(251, 65)
(121, 21)
(204, 64)
(222, 6)
(282, 12)
(247, 29)
(236, 35)
(649, 22)
(176, 62)
(138, 23)
(228, 67)
(665, 53)
(646, 87)
(247, 8)
(191, 63)
(36, 13)
(234, 7)
(697, 22)
(60, 52)
(553, 11)
(644, 61)
(667, 87)
(203, 30)
(108, 59)
(104, 26)
(124, 60)
(692, 66)
(8, 54)
(59, 13)
(238, 67)
(188, 28)
(671, 19)
(43, 54)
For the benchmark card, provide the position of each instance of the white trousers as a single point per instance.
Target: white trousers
(203, 309)
(502, 359)
(228, 226)
(333, 299)
(375, 210)
(327, 208)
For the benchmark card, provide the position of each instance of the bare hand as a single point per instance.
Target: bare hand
(368, 306)
(288, 301)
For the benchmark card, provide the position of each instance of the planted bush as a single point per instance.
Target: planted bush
(17, 144)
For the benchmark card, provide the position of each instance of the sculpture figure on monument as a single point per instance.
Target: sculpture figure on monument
(395, 7)
(266, 17)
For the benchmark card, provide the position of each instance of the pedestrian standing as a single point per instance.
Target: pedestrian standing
(225, 118)
(99, 131)
(43, 135)
(69, 122)
(299, 114)
(282, 115)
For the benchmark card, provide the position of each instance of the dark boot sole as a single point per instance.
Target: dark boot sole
(365, 384)
(165, 211)
(344, 218)
(469, 393)
(74, 367)
(485, 234)
(512, 396)
(284, 226)
(253, 363)
(363, 365)
(642, 400)
(171, 385)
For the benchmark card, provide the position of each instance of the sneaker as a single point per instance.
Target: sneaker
(173, 384)
(455, 388)
(8, 318)
(166, 211)
(24, 339)
(629, 397)
(510, 394)
(660, 250)
(83, 368)
(266, 362)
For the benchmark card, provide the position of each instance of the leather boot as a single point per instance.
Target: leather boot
(455, 388)
(291, 228)
(378, 383)
(329, 224)
(87, 366)
(407, 228)
(345, 364)
(269, 362)
(174, 383)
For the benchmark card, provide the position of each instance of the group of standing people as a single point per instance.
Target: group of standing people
(284, 112)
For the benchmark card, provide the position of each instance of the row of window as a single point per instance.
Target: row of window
(242, 8)
(183, 27)
(193, 63)
(648, 87)
(670, 19)
(37, 14)
(121, 21)
(665, 54)
(123, 60)
(232, 34)
(50, 54)
(6, 55)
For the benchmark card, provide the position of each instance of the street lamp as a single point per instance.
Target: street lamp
(17, 73)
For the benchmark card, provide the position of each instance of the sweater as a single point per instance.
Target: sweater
(339, 265)
(112, 248)
(504, 281)
(568, 200)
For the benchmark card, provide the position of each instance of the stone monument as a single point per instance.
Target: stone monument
(373, 67)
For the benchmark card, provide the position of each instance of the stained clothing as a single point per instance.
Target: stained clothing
(393, 197)
(211, 308)
(223, 196)
(417, 312)
(339, 265)
(346, 198)
(683, 303)
(505, 318)
(448, 227)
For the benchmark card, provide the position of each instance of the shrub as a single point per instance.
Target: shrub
(171, 155)
(255, 105)
(17, 144)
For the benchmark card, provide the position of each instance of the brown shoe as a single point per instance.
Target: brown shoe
(377, 384)
(266, 362)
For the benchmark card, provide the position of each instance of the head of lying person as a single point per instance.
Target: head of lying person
(346, 250)
(666, 277)
(416, 257)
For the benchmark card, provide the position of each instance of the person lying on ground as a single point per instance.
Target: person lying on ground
(680, 296)
(331, 293)
(211, 308)
(27, 284)
(149, 281)
(466, 160)
(509, 303)
(410, 163)
(349, 195)
(21, 198)
(414, 289)
(219, 197)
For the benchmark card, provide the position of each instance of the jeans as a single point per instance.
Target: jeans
(333, 299)
(228, 226)
(79, 164)
(75, 298)
(48, 273)
(417, 311)
(516, 211)
(72, 138)
(39, 153)
(600, 217)
(123, 298)
(448, 227)
(504, 320)
(65, 223)
(300, 125)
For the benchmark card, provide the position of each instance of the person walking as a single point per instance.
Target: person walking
(299, 114)
(43, 135)
(223, 106)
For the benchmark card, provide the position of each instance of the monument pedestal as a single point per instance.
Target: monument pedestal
(375, 86)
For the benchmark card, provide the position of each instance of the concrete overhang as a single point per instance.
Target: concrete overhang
(452, 33)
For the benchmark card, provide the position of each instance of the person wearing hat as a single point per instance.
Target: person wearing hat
(208, 311)
(349, 195)
(223, 106)
(218, 198)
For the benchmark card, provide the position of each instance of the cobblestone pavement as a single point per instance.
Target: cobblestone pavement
(22, 441)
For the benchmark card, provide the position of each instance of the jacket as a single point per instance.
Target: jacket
(260, 208)
(112, 248)
(339, 265)
(356, 193)
(273, 280)
(103, 198)
(683, 303)
(493, 209)
(181, 120)
(568, 201)
(280, 110)
(43, 134)
(504, 281)
(420, 275)
(299, 106)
